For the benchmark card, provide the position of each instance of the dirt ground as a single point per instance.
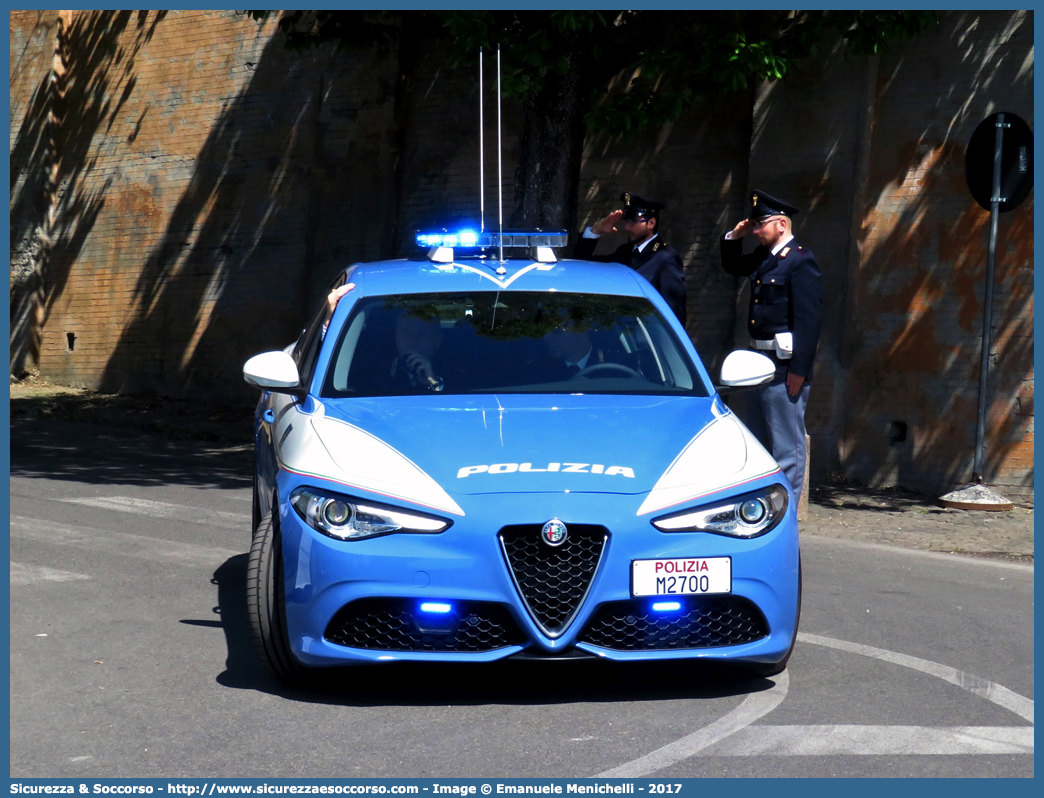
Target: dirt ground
(890, 516)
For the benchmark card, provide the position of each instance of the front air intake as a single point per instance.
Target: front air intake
(553, 580)
(700, 622)
(398, 624)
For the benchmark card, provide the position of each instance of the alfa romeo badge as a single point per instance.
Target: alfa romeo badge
(554, 532)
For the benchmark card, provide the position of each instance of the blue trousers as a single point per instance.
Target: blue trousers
(778, 422)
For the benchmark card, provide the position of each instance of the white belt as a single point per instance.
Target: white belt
(769, 344)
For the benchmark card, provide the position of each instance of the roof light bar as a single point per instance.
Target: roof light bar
(469, 239)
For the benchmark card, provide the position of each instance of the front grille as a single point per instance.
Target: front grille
(396, 624)
(553, 580)
(702, 622)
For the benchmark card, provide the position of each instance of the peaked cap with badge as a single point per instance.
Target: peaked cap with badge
(656, 262)
(637, 207)
(763, 204)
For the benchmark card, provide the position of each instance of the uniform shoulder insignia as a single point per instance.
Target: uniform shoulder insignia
(783, 254)
(658, 245)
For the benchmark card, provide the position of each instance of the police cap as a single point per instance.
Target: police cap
(762, 205)
(637, 206)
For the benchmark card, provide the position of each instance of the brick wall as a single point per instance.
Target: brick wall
(184, 189)
(698, 167)
(918, 306)
(873, 151)
(209, 184)
(33, 38)
(440, 177)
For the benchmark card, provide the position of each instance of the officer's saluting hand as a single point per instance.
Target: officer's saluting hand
(644, 251)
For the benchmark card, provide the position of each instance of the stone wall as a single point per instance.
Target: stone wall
(183, 190)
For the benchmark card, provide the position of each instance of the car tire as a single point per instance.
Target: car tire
(266, 604)
(765, 669)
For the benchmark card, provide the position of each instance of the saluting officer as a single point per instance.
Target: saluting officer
(645, 251)
(786, 311)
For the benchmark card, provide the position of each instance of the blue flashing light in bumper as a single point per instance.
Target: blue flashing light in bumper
(436, 607)
(666, 606)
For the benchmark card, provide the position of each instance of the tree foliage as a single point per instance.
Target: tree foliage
(638, 68)
(612, 71)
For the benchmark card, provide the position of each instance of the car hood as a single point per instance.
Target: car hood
(432, 449)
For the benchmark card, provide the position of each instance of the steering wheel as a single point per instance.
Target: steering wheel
(599, 367)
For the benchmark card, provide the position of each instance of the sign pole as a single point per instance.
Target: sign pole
(987, 321)
(998, 166)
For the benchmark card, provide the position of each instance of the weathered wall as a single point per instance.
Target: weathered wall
(872, 150)
(905, 248)
(917, 308)
(33, 39)
(183, 189)
(439, 179)
(208, 184)
(698, 167)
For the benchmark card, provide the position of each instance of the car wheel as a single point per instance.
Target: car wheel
(776, 668)
(266, 604)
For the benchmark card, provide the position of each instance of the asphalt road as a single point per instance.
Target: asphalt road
(130, 656)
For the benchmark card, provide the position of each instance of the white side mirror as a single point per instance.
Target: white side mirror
(273, 371)
(746, 369)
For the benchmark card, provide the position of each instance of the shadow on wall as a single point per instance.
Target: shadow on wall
(201, 253)
(919, 300)
(697, 166)
(236, 270)
(54, 210)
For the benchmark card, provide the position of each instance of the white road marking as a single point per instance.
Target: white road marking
(152, 509)
(121, 544)
(747, 740)
(876, 741)
(754, 706)
(998, 694)
(33, 574)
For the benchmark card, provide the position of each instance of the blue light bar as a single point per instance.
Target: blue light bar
(666, 606)
(469, 239)
(438, 607)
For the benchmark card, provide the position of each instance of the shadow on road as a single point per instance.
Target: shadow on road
(441, 684)
(100, 454)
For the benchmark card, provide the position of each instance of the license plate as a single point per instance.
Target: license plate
(681, 577)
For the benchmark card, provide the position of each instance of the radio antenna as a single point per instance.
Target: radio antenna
(482, 155)
(500, 165)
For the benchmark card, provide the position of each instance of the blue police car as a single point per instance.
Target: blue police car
(479, 457)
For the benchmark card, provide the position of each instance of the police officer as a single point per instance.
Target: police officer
(786, 310)
(645, 251)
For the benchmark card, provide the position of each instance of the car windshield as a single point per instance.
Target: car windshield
(508, 342)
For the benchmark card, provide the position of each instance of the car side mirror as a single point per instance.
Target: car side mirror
(745, 369)
(274, 371)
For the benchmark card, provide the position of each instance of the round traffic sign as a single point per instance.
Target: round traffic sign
(1016, 161)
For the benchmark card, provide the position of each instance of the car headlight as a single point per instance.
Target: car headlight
(345, 518)
(745, 516)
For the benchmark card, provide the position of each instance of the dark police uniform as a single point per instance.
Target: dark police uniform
(657, 262)
(786, 296)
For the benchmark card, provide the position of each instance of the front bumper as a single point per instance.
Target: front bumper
(383, 580)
